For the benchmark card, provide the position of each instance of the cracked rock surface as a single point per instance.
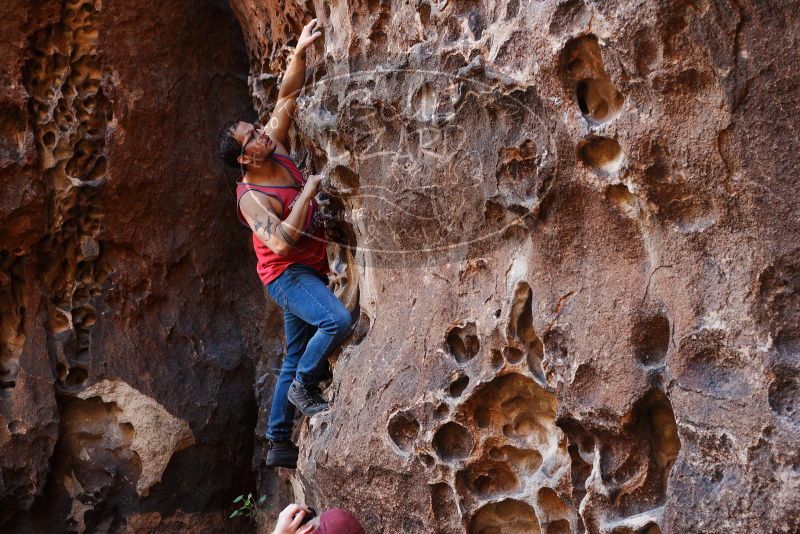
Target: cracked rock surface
(573, 230)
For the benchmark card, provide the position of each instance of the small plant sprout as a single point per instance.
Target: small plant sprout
(247, 506)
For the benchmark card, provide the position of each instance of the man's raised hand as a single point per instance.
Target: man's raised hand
(311, 32)
(290, 518)
(312, 185)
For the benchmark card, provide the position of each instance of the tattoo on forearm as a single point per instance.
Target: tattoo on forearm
(286, 237)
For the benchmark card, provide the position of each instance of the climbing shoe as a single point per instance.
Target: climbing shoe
(307, 398)
(282, 454)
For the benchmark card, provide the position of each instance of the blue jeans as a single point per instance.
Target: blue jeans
(315, 322)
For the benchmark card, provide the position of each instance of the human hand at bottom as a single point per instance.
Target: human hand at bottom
(290, 518)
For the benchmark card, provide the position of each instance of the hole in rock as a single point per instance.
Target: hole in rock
(492, 481)
(598, 100)
(580, 473)
(424, 13)
(513, 355)
(377, 36)
(482, 417)
(80, 296)
(61, 371)
(427, 460)
(361, 329)
(551, 508)
(558, 527)
(98, 170)
(331, 103)
(635, 464)
(83, 356)
(548, 500)
(427, 101)
(452, 442)
(521, 321)
(83, 338)
(127, 430)
(581, 452)
(497, 454)
(6, 384)
(526, 425)
(476, 24)
(515, 406)
(582, 64)
(463, 342)
(458, 386)
(84, 316)
(620, 196)
(525, 461)
(509, 516)
(77, 377)
(581, 58)
(601, 154)
(443, 410)
(650, 339)
(784, 394)
(49, 139)
(403, 429)
(512, 8)
(521, 328)
(496, 360)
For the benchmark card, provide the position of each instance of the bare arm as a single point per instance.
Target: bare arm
(279, 236)
(293, 81)
(290, 518)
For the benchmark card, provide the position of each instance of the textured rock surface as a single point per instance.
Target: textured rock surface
(128, 313)
(575, 242)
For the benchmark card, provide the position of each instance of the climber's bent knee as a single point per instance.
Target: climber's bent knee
(341, 322)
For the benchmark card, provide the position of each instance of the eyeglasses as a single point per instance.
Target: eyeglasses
(244, 145)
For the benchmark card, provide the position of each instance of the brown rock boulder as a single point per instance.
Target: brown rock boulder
(573, 226)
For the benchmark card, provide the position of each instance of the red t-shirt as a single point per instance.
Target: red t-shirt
(310, 248)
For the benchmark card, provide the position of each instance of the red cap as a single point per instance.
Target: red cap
(337, 521)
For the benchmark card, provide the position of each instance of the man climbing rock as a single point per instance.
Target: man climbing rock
(279, 206)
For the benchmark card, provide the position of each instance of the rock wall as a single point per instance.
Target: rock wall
(129, 316)
(572, 226)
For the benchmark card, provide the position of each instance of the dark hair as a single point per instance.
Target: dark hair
(228, 148)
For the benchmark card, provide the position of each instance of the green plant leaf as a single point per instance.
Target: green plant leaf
(239, 498)
(234, 514)
(262, 499)
(249, 496)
